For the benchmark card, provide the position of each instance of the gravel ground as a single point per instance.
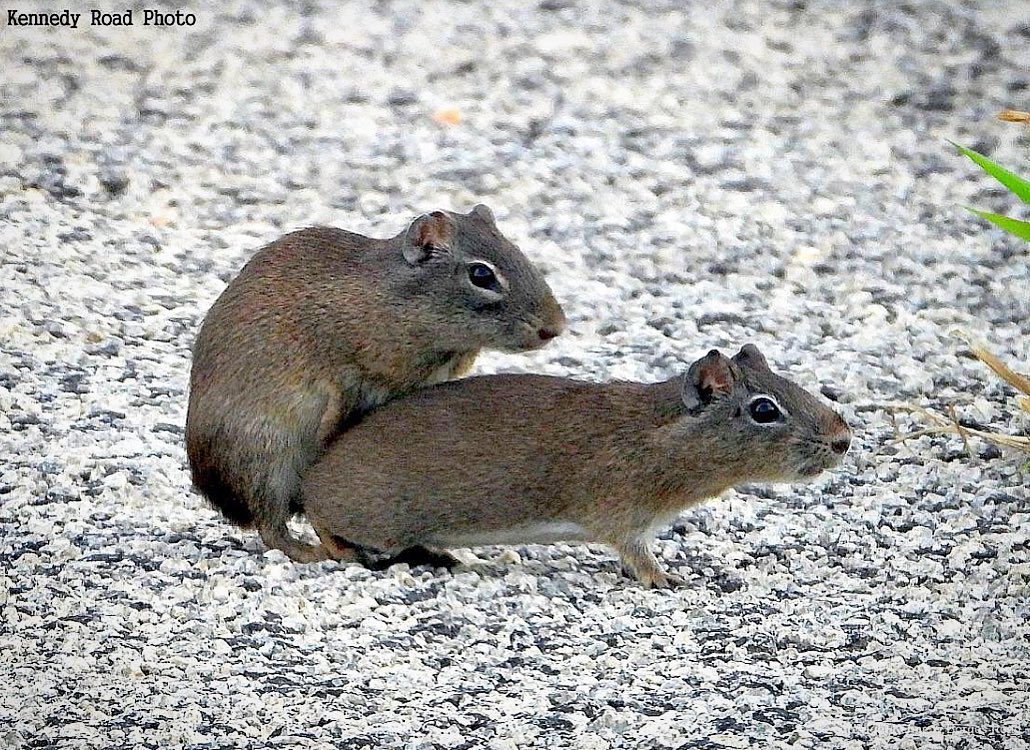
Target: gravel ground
(689, 176)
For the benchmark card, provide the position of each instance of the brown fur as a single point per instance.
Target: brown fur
(323, 325)
(495, 458)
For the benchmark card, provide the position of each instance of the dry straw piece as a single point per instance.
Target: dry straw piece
(941, 424)
(1014, 115)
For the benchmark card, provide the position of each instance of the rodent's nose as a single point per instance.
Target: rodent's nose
(553, 328)
(841, 443)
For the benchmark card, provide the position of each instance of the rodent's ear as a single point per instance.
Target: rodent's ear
(708, 378)
(750, 356)
(426, 234)
(484, 213)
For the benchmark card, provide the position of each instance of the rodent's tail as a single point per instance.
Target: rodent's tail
(208, 480)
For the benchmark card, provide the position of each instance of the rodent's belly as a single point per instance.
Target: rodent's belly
(544, 532)
(372, 395)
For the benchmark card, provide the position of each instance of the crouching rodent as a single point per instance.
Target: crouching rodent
(321, 326)
(511, 459)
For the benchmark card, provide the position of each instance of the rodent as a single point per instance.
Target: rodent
(322, 325)
(513, 459)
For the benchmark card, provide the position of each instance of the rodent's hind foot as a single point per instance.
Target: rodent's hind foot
(296, 550)
(341, 550)
(419, 556)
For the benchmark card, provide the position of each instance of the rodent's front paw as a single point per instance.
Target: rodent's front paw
(662, 580)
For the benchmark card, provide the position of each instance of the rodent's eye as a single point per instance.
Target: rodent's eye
(764, 410)
(481, 275)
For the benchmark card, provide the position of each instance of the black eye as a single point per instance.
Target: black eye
(764, 410)
(483, 276)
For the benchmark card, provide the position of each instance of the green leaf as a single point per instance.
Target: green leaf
(1013, 182)
(1014, 226)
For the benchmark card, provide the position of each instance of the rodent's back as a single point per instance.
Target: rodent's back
(261, 377)
(487, 415)
(297, 281)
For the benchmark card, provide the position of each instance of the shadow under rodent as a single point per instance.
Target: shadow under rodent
(515, 459)
(323, 325)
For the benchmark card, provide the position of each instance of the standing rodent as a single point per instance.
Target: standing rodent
(511, 459)
(323, 325)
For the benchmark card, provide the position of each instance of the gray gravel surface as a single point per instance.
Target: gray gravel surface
(689, 175)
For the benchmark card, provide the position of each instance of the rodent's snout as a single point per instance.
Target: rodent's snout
(553, 328)
(840, 436)
(841, 443)
(536, 329)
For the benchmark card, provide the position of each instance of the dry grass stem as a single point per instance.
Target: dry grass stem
(1014, 115)
(949, 425)
(1017, 380)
